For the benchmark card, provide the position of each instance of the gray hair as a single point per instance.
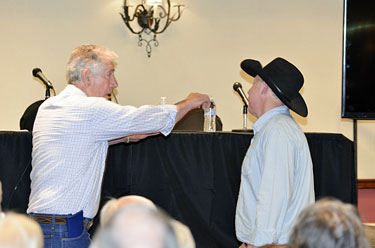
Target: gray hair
(87, 56)
(136, 226)
(328, 223)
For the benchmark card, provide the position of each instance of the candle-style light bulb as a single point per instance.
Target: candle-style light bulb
(154, 2)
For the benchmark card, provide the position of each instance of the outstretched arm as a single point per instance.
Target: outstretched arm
(193, 101)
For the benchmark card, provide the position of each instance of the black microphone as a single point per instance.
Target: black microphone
(37, 72)
(238, 88)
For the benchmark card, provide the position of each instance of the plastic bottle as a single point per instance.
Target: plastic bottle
(210, 118)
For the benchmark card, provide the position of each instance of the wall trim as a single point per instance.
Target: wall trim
(365, 183)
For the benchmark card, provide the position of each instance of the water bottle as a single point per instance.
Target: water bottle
(210, 118)
(163, 100)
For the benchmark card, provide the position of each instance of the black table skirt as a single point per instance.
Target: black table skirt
(195, 177)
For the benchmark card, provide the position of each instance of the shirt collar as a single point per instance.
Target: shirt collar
(71, 88)
(258, 124)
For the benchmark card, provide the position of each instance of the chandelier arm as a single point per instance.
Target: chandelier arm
(167, 15)
(168, 22)
(127, 19)
(126, 12)
(149, 23)
(162, 13)
(179, 13)
(135, 13)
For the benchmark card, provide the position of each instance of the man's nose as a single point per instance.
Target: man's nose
(114, 83)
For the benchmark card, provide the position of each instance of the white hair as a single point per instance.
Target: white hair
(87, 56)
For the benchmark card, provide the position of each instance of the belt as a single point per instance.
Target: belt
(46, 219)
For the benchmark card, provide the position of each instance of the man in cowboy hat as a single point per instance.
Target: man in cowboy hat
(277, 176)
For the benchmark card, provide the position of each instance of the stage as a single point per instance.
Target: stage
(195, 177)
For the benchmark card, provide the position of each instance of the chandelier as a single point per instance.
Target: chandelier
(152, 17)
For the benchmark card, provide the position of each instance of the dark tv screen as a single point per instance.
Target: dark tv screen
(358, 81)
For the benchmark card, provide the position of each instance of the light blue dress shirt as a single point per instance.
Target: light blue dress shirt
(276, 180)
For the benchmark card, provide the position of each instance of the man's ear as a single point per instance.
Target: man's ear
(265, 88)
(86, 77)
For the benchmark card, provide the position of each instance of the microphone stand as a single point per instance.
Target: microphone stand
(245, 116)
(48, 93)
(244, 130)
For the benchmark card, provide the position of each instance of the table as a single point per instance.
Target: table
(195, 177)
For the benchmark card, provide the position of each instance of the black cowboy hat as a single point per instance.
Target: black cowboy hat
(283, 78)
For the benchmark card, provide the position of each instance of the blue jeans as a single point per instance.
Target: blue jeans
(56, 236)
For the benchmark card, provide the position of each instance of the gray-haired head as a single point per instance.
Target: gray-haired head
(328, 223)
(87, 56)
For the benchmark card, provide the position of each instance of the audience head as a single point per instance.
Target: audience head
(19, 231)
(183, 234)
(113, 205)
(328, 223)
(136, 226)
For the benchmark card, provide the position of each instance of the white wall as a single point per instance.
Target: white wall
(201, 52)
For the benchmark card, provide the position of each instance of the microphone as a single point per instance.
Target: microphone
(238, 88)
(37, 72)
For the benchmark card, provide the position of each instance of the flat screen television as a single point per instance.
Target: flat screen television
(358, 80)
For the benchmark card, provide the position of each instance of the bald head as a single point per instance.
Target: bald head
(136, 226)
(135, 199)
(19, 231)
(113, 205)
